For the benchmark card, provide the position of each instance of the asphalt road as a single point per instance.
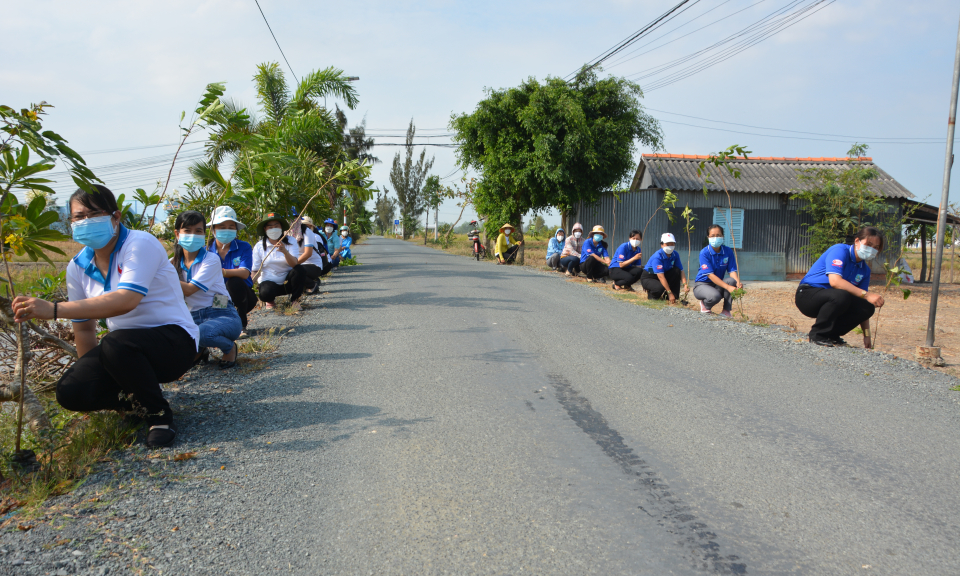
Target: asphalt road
(443, 416)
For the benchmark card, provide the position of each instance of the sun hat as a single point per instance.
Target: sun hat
(510, 226)
(284, 225)
(307, 220)
(598, 229)
(667, 237)
(223, 214)
(330, 221)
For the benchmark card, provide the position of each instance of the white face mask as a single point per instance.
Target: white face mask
(577, 234)
(328, 229)
(344, 234)
(559, 237)
(274, 233)
(634, 242)
(668, 250)
(867, 252)
(507, 231)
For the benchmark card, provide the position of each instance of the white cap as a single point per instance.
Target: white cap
(224, 213)
(667, 237)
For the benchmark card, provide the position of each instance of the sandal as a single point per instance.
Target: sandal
(224, 364)
(160, 437)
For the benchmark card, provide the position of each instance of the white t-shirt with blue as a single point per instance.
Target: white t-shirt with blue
(138, 263)
(206, 273)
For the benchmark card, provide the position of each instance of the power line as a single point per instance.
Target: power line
(941, 140)
(278, 43)
(792, 137)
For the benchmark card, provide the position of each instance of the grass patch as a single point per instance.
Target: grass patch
(640, 299)
(266, 343)
(349, 262)
(67, 453)
(955, 388)
(287, 308)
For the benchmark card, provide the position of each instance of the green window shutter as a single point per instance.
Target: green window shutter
(732, 221)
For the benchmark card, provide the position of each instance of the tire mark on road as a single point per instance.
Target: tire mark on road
(670, 511)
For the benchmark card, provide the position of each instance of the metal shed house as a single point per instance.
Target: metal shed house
(767, 223)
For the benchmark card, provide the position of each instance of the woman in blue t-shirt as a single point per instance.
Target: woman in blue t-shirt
(716, 261)
(625, 266)
(836, 290)
(663, 273)
(236, 260)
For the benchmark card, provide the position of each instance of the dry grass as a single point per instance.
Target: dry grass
(266, 343)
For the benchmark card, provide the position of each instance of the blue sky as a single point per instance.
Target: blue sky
(119, 73)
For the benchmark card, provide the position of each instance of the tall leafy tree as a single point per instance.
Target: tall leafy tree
(407, 178)
(385, 208)
(552, 144)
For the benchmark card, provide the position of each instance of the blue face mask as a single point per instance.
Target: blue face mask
(190, 242)
(94, 232)
(597, 237)
(716, 242)
(226, 236)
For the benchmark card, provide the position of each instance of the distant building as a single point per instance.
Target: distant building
(766, 221)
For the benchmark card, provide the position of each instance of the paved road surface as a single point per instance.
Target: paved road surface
(465, 418)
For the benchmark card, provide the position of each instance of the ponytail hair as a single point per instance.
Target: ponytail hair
(185, 218)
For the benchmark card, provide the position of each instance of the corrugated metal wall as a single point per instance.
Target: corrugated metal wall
(772, 222)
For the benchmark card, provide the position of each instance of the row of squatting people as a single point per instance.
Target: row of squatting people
(161, 313)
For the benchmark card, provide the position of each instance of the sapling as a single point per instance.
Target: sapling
(892, 279)
(669, 201)
(688, 218)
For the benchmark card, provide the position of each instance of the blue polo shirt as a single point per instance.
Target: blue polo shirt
(240, 255)
(625, 252)
(660, 263)
(589, 247)
(838, 259)
(720, 263)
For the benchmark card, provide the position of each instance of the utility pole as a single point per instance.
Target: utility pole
(928, 351)
(436, 219)
(426, 225)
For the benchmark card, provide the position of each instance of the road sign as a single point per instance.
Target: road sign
(396, 222)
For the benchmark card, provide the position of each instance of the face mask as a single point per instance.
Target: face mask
(634, 242)
(866, 252)
(225, 236)
(274, 233)
(716, 242)
(94, 232)
(328, 229)
(668, 250)
(577, 234)
(559, 238)
(344, 234)
(597, 237)
(190, 242)
(507, 232)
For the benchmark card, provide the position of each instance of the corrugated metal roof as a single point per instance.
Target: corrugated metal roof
(757, 175)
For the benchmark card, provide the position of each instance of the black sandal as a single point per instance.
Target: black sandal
(224, 364)
(161, 437)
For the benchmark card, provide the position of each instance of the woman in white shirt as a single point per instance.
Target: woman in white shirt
(204, 290)
(313, 257)
(124, 277)
(275, 262)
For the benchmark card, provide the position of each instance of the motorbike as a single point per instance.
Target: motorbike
(479, 250)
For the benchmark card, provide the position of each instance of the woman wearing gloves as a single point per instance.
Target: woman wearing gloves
(345, 242)
(506, 249)
(663, 273)
(275, 260)
(625, 266)
(236, 259)
(594, 257)
(716, 261)
(836, 290)
(570, 257)
(201, 280)
(122, 276)
(554, 248)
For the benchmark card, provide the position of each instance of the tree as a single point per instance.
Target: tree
(552, 145)
(407, 178)
(433, 194)
(385, 209)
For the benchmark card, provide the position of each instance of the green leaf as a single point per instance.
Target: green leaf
(906, 293)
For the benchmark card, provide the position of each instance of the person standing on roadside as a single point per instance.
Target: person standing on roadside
(716, 261)
(594, 258)
(625, 266)
(124, 277)
(506, 249)
(836, 290)
(570, 257)
(663, 273)
(236, 259)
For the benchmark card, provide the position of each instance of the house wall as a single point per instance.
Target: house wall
(773, 226)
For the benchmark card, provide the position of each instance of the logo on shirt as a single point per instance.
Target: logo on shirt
(703, 266)
(621, 256)
(659, 266)
(119, 270)
(858, 278)
(725, 260)
(236, 261)
(589, 250)
(838, 262)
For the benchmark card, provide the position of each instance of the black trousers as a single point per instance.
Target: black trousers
(651, 283)
(125, 370)
(626, 278)
(511, 254)
(594, 268)
(243, 297)
(571, 264)
(293, 285)
(837, 311)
